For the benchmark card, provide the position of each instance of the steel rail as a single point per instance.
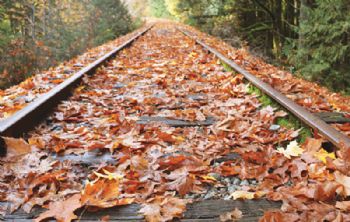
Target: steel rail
(26, 118)
(339, 139)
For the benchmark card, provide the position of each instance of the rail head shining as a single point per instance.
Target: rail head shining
(339, 139)
(25, 119)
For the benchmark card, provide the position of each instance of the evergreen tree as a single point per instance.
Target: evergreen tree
(324, 53)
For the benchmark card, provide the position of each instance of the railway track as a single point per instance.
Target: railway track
(337, 138)
(164, 104)
(24, 119)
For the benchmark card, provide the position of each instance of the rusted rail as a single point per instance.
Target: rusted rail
(337, 138)
(24, 119)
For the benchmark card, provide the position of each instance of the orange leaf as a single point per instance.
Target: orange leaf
(16, 146)
(104, 193)
(62, 211)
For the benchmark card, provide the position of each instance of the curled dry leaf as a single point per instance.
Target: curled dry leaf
(234, 215)
(62, 211)
(16, 147)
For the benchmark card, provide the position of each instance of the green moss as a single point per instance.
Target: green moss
(289, 121)
(263, 98)
(227, 67)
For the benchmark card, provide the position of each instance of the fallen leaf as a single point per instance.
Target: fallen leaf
(105, 218)
(323, 155)
(108, 175)
(104, 193)
(292, 150)
(152, 212)
(343, 180)
(343, 205)
(183, 183)
(312, 145)
(246, 195)
(163, 208)
(234, 215)
(272, 216)
(62, 211)
(16, 146)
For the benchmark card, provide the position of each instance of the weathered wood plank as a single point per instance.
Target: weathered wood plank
(212, 209)
(144, 120)
(88, 158)
(333, 117)
(203, 211)
(227, 157)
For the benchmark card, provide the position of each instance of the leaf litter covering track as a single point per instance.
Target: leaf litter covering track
(161, 167)
(18, 96)
(310, 95)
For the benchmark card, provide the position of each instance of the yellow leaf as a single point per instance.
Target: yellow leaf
(241, 194)
(208, 178)
(193, 54)
(323, 154)
(79, 89)
(293, 149)
(115, 145)
(108, 175)
(180, 139)
(131, 84)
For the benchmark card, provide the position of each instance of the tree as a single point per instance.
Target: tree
(36, 34)
(158, 9)
(322, 53)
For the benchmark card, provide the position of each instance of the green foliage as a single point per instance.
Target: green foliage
(37, 34)
(158, 9)
(323, 52)
(112, 20)
(310, 36)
